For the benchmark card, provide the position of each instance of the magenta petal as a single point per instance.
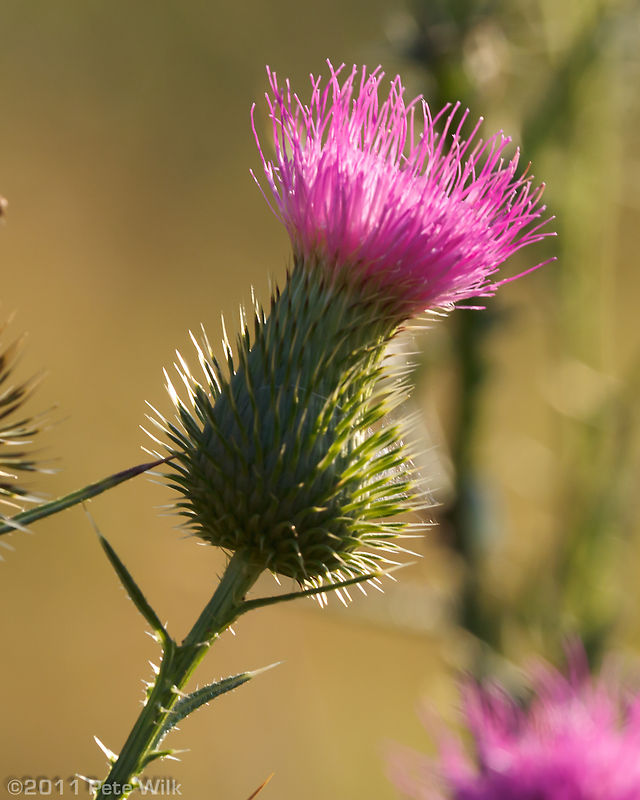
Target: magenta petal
(384, 192)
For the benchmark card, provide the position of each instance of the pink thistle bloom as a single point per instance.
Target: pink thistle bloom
(385, 193)
(577, 740)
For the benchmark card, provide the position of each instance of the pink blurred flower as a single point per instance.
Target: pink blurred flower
(369, 188)
(578, 739)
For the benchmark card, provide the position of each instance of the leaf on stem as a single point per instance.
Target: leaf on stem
(191, 702)
(260, 602)
(19, 521)
(132, 589)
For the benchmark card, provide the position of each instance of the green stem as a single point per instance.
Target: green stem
(79, 496)
(178, 664)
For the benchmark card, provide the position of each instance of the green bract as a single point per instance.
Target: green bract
(283, 454)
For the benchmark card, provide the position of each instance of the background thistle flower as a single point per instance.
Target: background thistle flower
(275, 454)
(577, 738)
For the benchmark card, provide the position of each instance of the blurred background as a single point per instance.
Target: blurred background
(125, 150)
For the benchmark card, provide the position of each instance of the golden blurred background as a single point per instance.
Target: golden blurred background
(125, 150)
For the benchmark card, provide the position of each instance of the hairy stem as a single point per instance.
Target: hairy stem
(178, 663)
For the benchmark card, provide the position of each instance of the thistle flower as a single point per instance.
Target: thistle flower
(283, 453)
(578, 739)
(386, 193)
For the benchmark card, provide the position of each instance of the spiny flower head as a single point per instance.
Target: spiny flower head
(578, 739)
(283, 452)
(15, 434)
(384, 192)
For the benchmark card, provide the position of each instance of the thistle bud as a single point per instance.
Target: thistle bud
(280, 454)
